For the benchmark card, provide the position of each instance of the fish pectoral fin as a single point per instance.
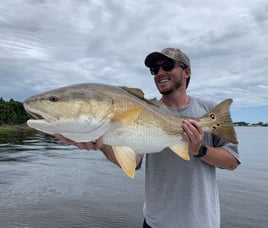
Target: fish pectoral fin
(126, 157)
(181, 150)
(128, 117)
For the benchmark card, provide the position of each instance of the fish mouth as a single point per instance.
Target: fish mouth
(39, 115)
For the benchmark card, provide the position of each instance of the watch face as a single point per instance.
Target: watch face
(202, 152)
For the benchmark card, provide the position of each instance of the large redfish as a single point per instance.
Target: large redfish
(126, 121)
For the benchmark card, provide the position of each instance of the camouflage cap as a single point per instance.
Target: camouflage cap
(172, 53)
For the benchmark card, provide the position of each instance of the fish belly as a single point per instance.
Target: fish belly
(141, 139)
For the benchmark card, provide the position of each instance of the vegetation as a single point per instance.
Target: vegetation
(12, 112)
(241, 123)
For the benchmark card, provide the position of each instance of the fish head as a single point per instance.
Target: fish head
(69, 104)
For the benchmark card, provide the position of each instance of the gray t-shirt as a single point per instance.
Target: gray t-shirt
(182, 193)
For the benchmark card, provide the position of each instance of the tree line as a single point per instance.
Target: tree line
(242, 123)
(12, 112)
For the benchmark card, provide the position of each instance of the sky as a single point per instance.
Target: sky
(46, 44)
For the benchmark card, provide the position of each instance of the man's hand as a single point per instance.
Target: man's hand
(83, 145)
(193, 134)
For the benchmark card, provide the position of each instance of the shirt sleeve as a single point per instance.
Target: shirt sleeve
(230, 147)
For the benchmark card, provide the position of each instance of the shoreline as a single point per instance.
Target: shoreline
(5, 128)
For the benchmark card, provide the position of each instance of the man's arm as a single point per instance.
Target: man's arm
(97, 145)
(215, 156)
(221, 158)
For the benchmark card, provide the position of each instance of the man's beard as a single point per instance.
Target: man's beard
(171, 89)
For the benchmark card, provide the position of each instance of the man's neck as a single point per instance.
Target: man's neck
(176, 100)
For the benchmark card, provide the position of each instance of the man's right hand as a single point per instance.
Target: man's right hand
(98, 144)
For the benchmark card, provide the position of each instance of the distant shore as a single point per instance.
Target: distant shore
(245, 124)
(14, 128)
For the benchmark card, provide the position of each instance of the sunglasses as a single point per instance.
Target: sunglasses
(166, 66)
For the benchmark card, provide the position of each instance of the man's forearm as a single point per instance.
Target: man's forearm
(221, 158)
(109, 154)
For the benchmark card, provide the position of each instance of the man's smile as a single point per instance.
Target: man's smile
(163, 80)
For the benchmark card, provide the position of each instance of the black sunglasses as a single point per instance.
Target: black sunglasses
(166, 66)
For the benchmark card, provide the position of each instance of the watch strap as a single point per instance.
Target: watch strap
(202, 152)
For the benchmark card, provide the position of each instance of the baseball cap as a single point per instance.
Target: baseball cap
(171, 53)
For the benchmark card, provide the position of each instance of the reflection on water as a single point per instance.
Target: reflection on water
(19, 146)
(244, 192)
(47, 184)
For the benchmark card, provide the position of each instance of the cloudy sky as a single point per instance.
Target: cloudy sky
(45, 44)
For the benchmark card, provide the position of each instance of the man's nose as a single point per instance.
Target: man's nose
(161, 71)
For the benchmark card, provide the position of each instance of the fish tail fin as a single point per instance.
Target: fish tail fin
(218, 121)
(126, 158)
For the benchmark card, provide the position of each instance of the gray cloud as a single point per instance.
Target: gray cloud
(47, 44)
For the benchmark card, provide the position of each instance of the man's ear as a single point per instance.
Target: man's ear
(187, 72)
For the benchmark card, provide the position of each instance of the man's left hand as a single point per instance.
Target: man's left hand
(193, 134)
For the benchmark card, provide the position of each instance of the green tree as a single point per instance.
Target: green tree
(12, 112)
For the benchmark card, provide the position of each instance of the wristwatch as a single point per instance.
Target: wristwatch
(202, 152)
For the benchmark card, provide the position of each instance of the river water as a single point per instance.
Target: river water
(44, 183)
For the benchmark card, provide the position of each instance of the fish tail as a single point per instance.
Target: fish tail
(219, 122)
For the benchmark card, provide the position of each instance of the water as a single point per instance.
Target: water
(244, 192)
(46, 184)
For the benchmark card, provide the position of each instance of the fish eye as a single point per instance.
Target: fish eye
(212, 116)
(53, 98)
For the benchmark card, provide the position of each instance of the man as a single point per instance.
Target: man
(179, 193)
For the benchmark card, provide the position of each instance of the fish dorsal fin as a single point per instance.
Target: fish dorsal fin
(134, 91)
(157, 103)
(126, 157)
(139, 94)
(181, 150)
(128, 117)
